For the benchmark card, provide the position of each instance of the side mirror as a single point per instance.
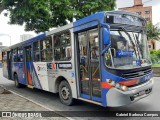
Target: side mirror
(106, 36)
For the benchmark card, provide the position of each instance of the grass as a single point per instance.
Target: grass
(156, 65)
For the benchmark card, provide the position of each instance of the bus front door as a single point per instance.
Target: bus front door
(89, 67)
(28, 67)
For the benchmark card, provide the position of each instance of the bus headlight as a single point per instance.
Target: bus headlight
(124, 88)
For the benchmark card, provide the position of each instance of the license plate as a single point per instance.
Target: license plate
(141, 93)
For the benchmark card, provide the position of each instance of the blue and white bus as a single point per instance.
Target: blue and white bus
(102, 59)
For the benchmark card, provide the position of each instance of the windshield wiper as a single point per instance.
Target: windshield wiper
(138, 44)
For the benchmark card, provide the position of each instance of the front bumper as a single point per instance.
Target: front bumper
(116, 97)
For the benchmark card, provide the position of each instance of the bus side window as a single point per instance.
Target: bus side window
(49, 49)
(15, 55)
(20, 55)
(62, 46)
(46, 49)
(36, 52)
(69, 52)
(57, 54)
(29, 54)
(4, 57)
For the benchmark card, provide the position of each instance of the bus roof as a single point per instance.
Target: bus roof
(24, 42)
(99, 16)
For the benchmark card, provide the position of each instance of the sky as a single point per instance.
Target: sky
(14, 31)
(10, 31)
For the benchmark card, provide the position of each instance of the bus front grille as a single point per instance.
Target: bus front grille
(135, 74)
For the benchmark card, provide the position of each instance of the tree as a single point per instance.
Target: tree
(1, 7)
(40, 15)
(153, 31)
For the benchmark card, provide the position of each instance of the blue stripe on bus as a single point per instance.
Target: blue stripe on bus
(96, 99)
(104, 94)
(99, 16)
(85, 96)
(85, 26)
(108, 75)
(93, 97)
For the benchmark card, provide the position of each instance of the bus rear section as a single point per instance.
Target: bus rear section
(6, 64)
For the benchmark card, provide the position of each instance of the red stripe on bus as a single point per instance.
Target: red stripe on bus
(129, 82)
(106, 85)
(29, 79)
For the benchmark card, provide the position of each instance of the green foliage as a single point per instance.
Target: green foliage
(40, 15)
(155, 56)
(153, 32)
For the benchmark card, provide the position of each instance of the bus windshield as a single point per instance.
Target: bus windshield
(128, 50)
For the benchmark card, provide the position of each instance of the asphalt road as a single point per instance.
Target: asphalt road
(50, 100)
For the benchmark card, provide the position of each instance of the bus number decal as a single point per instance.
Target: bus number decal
(72, 74)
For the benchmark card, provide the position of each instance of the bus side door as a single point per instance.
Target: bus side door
(9, 64)
(28, 67)
(89, 67)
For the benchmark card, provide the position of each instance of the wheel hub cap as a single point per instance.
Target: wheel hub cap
(65, 93)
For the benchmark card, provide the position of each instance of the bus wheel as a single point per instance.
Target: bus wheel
(65, 93)
(17, 84)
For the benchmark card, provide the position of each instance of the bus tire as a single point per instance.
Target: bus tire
(65, 93)
(17, 84)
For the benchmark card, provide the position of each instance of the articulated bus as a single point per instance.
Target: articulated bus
(102, 58)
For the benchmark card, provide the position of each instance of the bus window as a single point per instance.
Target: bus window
(49, 54)
(20, 55)
(43, 55)
(46, 49)
(4, 57)
(57, 53)
(94, 47)
(15, 55)
(28, 54)
(36, 52)
(62, 46)
(46, 43)
(69, 52)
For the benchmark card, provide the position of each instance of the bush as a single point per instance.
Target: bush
(155, 56)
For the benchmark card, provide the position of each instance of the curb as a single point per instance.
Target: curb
(69, 118)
